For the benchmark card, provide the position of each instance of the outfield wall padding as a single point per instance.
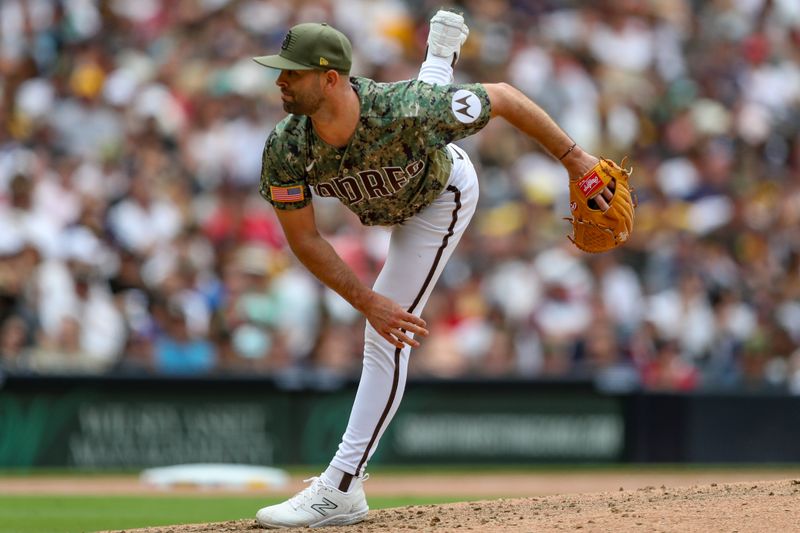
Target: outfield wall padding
(127, 422)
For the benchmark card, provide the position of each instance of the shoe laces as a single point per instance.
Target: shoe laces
(317, 482)
(307, 493)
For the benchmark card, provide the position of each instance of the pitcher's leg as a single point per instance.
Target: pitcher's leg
(418, 252)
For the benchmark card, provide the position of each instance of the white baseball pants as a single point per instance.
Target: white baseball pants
(418, 251)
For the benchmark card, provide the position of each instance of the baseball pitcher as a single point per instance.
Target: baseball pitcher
(384, 150)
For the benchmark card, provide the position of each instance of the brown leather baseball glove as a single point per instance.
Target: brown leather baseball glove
(595, 228)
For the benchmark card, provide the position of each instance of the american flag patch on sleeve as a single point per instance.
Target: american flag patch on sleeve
(286, 194)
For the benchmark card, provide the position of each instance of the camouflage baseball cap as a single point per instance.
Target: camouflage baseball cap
(310, 46)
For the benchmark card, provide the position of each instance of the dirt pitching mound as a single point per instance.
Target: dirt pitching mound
(768, 506)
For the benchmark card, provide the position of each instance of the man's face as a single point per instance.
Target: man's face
(301, 91)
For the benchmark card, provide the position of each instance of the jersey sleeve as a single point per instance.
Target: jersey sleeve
(451, 112)
(283, 182)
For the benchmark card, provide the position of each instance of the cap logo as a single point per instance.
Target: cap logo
(287, 41)
(323, 62)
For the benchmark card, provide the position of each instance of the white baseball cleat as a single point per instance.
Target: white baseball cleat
(446, 34)
(318, 505)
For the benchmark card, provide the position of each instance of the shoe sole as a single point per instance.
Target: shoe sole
(343, 519)
(337, 520)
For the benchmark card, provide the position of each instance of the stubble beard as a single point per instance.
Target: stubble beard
(303, 105)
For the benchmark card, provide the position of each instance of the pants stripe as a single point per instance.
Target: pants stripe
(396, 378)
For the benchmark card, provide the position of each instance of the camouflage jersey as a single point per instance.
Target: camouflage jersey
(394, 165)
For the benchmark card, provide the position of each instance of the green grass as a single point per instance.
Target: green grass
(72, 514)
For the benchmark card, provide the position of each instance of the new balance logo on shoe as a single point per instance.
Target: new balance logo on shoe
(319, 504)
(325, 506)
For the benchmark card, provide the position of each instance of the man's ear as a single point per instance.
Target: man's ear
(330, 79)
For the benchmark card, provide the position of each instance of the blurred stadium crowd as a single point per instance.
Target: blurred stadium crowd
(133, 238)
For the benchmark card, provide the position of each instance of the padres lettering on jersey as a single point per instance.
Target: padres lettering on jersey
(396, 162)
(370, 184)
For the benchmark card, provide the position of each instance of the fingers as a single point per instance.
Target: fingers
(400, 334)
(396, 325)
(398, 338)
(393, 341)
(415, 325)
(601, 201)
(604, 197)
